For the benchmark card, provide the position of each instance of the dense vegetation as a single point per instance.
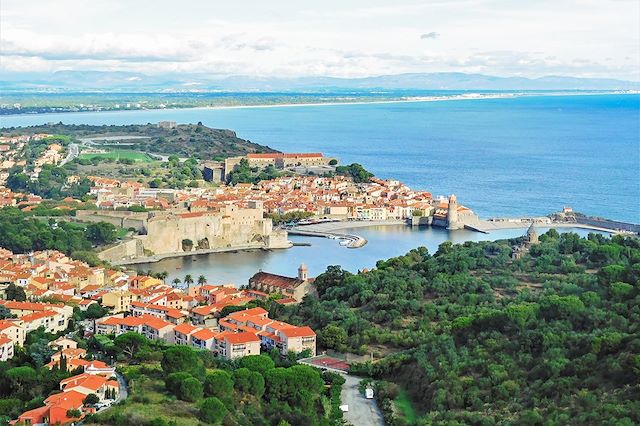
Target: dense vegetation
(51, 183)
(243, 173)
(478, 338)
(179, 175)
(188, 140)
(289, 217)
(35, 149)
(24, 381)
(177, 385)
(355, 171)
(21, 234)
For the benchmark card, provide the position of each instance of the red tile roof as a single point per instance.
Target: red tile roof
(204, 334)
(185, 328)
(298, 332)
(242, 337)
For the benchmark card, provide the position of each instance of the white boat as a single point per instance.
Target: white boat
(345, 242)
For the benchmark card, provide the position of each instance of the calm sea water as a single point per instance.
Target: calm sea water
(502, 157)
(383, 242)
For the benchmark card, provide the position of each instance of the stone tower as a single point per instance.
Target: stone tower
(303, 272)
(532, 235)
(452, 213)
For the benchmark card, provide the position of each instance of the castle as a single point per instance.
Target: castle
(170, 232)
(219, 171)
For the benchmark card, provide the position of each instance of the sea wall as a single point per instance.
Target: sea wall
(608, 224)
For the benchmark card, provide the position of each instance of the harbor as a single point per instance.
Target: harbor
(383, 241)
(347, 231)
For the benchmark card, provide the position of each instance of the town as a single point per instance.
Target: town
(72, 302)
(47, 292)
(220, 215)
(92, 332)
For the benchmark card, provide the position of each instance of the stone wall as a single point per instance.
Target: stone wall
(129, 249)
(136, 220)
(176, 233)
(171, 232)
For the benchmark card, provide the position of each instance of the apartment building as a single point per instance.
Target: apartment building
(119, 301)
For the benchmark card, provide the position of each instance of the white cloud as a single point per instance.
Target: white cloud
(501, 37)
(430, 35)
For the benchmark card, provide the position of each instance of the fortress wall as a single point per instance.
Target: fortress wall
(234, 227)
(126, 250)
(125, 220)
(163, 236)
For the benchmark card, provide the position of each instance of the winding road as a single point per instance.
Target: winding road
(74, 151)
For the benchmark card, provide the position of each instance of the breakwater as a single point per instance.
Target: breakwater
(346, 240)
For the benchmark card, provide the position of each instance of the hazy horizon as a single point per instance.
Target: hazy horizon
(577, 38)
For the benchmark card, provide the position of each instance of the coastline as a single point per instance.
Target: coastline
(418, 99)
(489, 226)
(331, 230)
(158, 257)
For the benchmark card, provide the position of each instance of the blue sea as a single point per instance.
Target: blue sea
(501, 157)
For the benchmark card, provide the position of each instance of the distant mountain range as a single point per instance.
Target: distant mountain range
(126, 81)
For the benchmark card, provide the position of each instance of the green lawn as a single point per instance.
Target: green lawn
(405, 407)
(118, 154)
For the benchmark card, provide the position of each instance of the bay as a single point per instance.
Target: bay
(383, 242)
(502, 157)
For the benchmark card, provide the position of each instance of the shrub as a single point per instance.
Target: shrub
(212, 410)
(190, 390)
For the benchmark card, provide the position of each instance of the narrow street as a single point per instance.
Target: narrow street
(362, 411)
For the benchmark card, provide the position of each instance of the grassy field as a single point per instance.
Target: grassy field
(404, 406)
(118, 154)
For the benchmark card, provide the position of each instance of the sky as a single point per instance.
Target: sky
(339, 38)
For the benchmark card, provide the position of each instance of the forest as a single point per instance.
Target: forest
(475, 337)
(177, 385)
(21, 233)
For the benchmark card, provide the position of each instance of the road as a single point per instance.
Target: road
(123, 391)
(362, 411)
(74, 150)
